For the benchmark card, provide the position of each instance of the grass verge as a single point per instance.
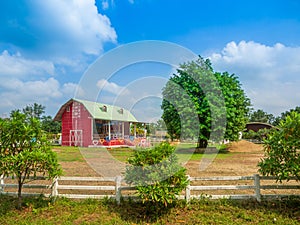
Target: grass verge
(65, 211)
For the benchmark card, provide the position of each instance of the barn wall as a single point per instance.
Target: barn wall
(76, 117)
(66, 125)
(84, 124)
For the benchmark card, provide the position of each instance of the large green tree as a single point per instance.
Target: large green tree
(25, 151)
(282, 150)
(201, 104)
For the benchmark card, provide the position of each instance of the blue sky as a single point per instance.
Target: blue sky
(46, 46)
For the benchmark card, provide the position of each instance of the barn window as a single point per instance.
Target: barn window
(68, 108)
(104, 108)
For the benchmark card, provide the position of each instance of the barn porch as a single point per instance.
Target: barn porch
(116, 134)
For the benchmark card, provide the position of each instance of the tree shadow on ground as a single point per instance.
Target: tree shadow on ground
(9, 203)
(137, 212)
(201, 151)
(287, 207)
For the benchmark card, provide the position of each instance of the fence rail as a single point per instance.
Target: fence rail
(115, 187)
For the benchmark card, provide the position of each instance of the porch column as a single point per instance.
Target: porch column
(92, 128)
(145, 131)
(134, 130)
(109, 130)
(123, 131)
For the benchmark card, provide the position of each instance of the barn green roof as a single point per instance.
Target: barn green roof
(100, 111)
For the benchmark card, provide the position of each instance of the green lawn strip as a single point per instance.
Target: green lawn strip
(184, 152)
(66, 211)
(68, 154)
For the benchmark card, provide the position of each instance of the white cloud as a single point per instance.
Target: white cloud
(70, 25)
(70, 89)
(110, 87)
(105, 5)
(16, 94)
(64, 36)
(270, 75)
(16, 65)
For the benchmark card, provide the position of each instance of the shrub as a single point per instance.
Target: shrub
(282, 155)
(156, 174)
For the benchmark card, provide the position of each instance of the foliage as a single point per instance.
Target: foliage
(282, 155)
(261, 116)
(24, 150)
(34, 111)
(37, 111)
(157, 174)
(140, 129)
(198, 102)
(50, 126)
(236, 102)
(159, 125)
(283, 115)
(260, 135)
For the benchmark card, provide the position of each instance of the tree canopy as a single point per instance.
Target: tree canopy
(37, 111)
(203, 104)
(283, 115)
(25, 151)
(261, 116)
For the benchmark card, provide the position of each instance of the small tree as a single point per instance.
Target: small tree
(156, 174)
(25, 151)
(282, 150)
(36, 110)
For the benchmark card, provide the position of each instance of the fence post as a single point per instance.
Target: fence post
(188, 189)
(54, 192)
(1, 184)
(257, 187)
(118, 189)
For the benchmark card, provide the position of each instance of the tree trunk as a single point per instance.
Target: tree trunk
(20, 193)
(202, 143)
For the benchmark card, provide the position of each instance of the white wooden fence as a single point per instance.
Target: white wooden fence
(114, 187)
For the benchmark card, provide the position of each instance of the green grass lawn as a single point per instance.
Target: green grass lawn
(68, 154)
(65, 211)
(184, 152)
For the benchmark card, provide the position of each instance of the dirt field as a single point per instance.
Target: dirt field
(242, 160)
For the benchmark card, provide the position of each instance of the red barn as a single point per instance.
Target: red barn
(85, 123)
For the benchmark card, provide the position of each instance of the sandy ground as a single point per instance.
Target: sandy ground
(242, 161)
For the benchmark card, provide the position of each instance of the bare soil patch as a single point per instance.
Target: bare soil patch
(243, 161)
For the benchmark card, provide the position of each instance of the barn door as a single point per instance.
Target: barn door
(76, 138)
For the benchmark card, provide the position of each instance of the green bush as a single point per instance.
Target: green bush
(282, 155)
(156, 174)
